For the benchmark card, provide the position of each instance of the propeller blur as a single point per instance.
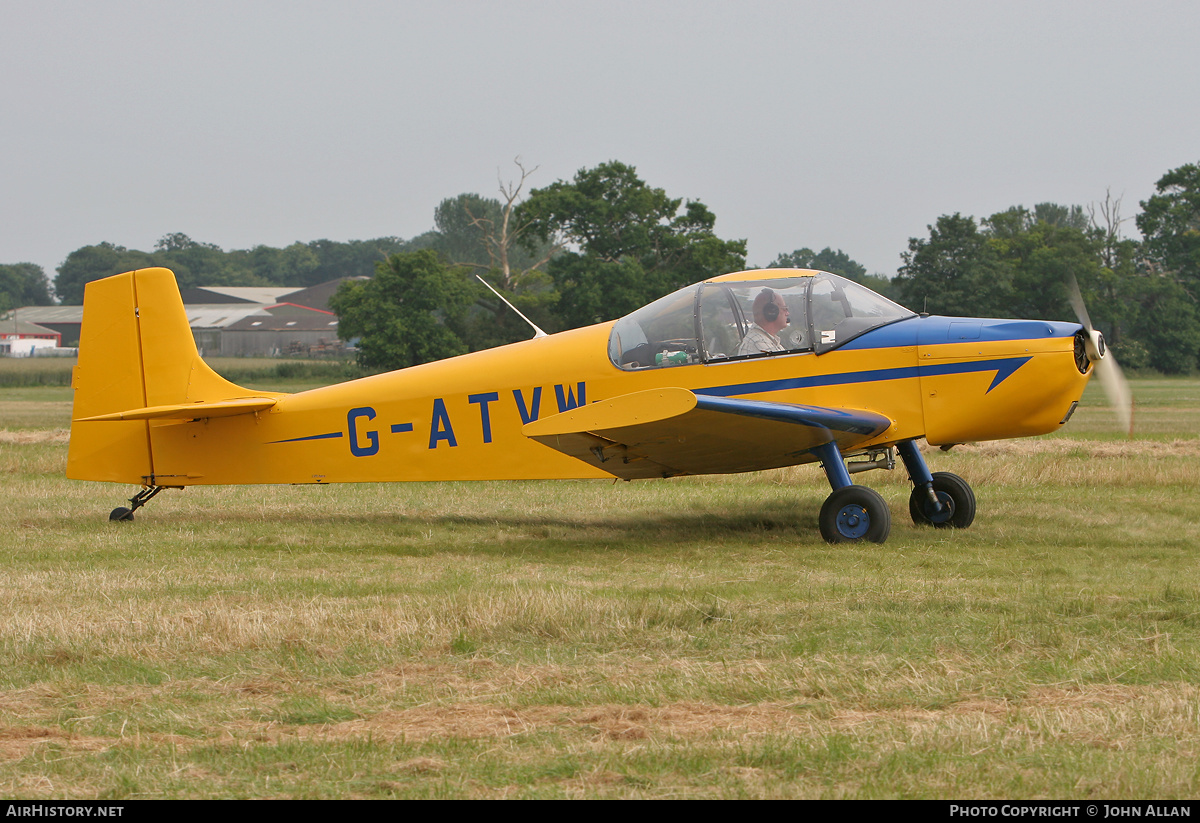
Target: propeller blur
(1112, 379)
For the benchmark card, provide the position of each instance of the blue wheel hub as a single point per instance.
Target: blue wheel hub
(853, 521)
(942, 515)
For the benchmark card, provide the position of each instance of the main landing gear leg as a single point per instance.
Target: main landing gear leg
(851, 513)
(136, 502)
(938, 499)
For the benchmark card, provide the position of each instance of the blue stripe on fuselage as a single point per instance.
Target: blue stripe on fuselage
(1004, 367)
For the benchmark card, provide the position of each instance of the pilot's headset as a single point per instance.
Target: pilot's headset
(770, 310)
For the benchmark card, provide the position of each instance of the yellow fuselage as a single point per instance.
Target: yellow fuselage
(461, 419)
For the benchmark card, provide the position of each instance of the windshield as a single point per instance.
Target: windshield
(841, 310)
(660, 334)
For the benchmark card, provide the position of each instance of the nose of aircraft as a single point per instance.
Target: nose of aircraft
(990, 379)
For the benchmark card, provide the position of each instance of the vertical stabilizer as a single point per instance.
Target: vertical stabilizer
(109, 378)
(135, 350)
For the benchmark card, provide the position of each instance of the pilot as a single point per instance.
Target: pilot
(770, 317)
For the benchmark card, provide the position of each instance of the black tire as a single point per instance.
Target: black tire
(121, 513)
(853, 514)
(956, 497)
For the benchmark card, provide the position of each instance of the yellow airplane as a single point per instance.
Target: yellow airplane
(747, 371)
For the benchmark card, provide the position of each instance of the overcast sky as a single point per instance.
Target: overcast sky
(849, 124)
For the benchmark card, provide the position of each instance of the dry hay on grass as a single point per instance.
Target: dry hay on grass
(22, 438)
(1104, 715)
(17, 742)
(472, 708)
(602, 722)
(1109, 716)
(1072, 462)
(1095, 449)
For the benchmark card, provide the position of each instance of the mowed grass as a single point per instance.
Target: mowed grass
(683, 638)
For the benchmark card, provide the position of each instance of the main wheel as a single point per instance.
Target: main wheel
(855, 513)
(121, 513)
(956, 497)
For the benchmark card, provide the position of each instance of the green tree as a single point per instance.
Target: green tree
(1043, 248)
(353, 258)
(493, 238)
(630, 243)
(1067, 217)
(203, 264)
(291, 266)
(1169, 324)
(1015, 263)
(23, 284)
(460, 223)
(956, 272)
(92, 263)
(1170, 224)
(413, 311)
(1166, 326)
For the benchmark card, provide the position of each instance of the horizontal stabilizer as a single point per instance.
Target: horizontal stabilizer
(188, 411)
(665, 432)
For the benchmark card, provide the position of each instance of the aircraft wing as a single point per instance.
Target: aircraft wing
(666, 432)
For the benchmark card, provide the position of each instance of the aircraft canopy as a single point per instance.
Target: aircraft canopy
(707, 322)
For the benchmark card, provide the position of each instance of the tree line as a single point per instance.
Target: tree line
(23, 284)
(607, 243)
(603, 243)
(205, 264)
(1016, 263)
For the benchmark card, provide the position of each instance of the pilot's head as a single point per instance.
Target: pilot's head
(770, 311)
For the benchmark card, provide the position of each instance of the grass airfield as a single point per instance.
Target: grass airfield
(689, 638)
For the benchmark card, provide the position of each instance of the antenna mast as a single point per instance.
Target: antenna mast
(536, 331)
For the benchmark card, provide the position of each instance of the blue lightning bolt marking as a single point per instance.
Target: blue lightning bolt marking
(1003, 367)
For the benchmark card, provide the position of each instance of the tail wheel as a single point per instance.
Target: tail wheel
(956, 497)
(853, 514)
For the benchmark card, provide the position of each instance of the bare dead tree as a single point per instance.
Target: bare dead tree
(1106, 220)
(500, 240)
